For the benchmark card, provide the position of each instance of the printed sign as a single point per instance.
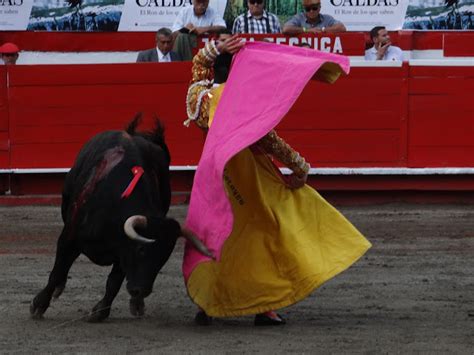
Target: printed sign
(75, 15)
(440, 15)
(363, 15)
(150, 15)
(14, 14)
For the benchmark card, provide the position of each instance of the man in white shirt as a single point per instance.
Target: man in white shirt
(382, 49)
(192, 21)
(162, 52)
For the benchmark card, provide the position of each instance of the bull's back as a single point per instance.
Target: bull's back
(94, 159)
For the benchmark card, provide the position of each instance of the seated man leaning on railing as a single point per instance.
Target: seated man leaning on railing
(382, 49)
(312, 21)
(193, 21)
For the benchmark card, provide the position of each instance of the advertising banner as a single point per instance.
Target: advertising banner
(440, 15)
(364, 15)
(150, 15)
(75, 15)
(14, 14)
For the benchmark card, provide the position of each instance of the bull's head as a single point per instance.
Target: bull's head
(150, 253)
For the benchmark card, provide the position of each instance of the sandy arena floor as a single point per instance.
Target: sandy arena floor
(413, 292)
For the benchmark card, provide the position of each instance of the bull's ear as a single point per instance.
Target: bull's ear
(133, 124)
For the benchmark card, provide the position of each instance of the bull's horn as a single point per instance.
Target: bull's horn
(196, 242)
(129, 228)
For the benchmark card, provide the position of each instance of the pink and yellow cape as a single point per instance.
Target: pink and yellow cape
(273, 245)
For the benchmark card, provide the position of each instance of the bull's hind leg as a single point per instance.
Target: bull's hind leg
(66, 253)
(114, 281)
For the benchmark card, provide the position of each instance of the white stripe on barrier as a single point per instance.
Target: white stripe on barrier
(445, 62)
(313, 171)
(362, 63)
(415, 57)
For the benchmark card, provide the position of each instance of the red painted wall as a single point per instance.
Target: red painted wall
(4, 126)
(375, 117)
(55, 109)
(441, 116)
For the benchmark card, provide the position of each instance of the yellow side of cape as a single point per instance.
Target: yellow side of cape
(284, 244)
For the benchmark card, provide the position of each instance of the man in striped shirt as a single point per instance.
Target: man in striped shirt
(256, 20)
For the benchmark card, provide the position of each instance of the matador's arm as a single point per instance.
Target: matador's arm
(197, 100)
(274, 145)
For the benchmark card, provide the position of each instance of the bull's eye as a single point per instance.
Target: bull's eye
(141, 250)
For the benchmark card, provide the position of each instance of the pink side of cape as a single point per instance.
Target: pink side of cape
(265, 81)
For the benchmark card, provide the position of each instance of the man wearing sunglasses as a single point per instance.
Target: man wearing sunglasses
(192, 21)
(256, 20)
(312, 21)
(9, 53)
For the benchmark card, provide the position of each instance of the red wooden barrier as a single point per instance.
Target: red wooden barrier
(455, 43)
(4, 127)
(441, 116)
(342, 125)
(459, 44)
(375, 117)
(55, 109)
(4, 133)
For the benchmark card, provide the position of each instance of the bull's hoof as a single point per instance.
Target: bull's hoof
(36, 312)
(38, 307)
(99, 313)
(58, 290)
(137, 307)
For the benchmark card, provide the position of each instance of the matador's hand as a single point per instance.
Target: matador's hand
(295, 182)
(230, 45)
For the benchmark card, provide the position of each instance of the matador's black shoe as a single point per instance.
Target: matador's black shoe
(269, 318)
(202, 318)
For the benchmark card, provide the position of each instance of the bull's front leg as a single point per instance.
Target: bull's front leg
(114, 281)
(66, 253)
(137, 306)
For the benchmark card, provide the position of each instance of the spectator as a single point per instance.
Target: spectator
(193, 21)
(162, 52)
(382, 49)
(256, 20)
(312, 21)
(10, 53)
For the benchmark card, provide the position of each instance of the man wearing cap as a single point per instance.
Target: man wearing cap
(312, 21)
(256, 20)
(9, 52)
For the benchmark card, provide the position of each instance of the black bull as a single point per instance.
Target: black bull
(107, 207)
